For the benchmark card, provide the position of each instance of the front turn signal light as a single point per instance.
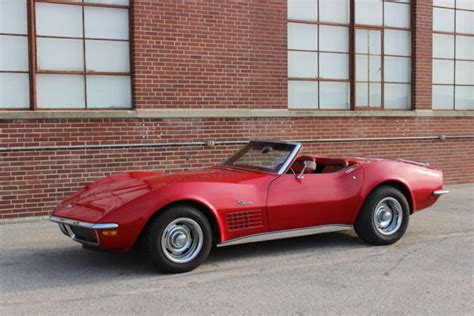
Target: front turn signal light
(109, 233)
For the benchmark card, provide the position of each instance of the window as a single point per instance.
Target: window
(79, 53)
(382, 54)
(319, 55)
(14, 67)
(453, 55)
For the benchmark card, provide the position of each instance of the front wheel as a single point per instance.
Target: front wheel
(384, 217)
(179, 240)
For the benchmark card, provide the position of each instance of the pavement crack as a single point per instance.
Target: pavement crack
(400, 261)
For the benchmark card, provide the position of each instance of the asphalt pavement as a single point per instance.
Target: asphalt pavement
(430, 271)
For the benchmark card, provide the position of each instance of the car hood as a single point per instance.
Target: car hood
(106, 194)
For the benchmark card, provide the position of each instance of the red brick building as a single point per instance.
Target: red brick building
(94, 87)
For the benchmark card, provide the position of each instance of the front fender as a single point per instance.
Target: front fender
(133, 216)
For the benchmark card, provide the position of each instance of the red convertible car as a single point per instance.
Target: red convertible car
(264, 191)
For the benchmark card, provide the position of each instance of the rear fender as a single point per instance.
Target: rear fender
(395, 182)
(418, 182)
(377, 175)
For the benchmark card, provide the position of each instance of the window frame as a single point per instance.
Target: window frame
(33, 55)
(352, 55)
(454, 59)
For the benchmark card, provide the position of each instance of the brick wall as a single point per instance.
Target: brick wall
(210, 54)
(422, 42)
(214, 55)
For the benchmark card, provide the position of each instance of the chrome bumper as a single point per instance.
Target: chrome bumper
(440, 192)
(70, 228)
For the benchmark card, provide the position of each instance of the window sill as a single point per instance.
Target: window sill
(219, 113)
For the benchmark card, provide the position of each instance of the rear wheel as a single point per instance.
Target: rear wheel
(179, 240)
(384, 217)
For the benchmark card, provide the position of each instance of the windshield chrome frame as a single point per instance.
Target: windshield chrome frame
(286, 163)
(290, 157)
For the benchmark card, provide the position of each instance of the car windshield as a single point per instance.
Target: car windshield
(262, 156)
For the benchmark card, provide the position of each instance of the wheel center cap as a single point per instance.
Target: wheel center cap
(179, 240)
(386, 216)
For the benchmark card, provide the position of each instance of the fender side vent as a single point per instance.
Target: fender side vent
(244, 220)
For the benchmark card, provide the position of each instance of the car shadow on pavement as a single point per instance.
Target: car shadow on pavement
(28, 269)
(298, 246)
(31, 268)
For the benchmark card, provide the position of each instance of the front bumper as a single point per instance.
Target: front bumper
(83, 232)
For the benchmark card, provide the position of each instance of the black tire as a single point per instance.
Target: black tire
(366, 223)
(184, 215)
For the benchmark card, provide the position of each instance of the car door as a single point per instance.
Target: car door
(317, 199)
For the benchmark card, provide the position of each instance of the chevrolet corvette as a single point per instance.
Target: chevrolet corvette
(264, 191)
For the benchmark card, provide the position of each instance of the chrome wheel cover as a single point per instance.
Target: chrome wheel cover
(182, 240)
(388, 216)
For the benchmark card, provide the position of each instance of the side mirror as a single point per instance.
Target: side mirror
(308, 165)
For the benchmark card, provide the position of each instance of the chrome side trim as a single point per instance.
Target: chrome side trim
(61, 220)
(290, 233)
(440, 192)
(290, 158)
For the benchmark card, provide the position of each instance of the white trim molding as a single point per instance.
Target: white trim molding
(218, 113)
